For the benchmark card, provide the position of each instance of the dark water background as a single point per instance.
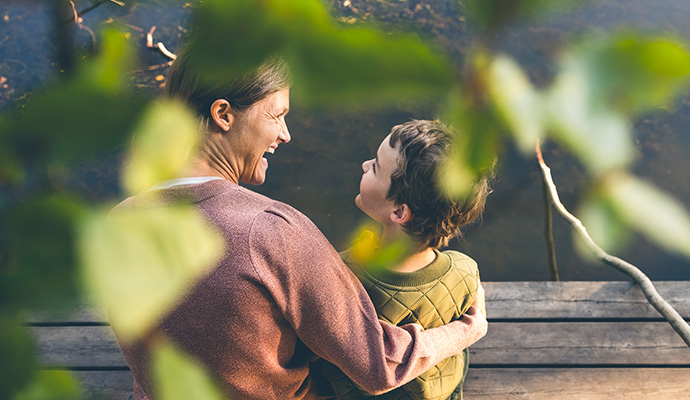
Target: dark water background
(319, 171)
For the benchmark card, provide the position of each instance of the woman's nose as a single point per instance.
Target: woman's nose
(285, 134)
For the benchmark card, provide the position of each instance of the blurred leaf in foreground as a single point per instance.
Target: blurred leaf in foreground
(140, 262)
(475, 143)
(603, 226)
(352, 66)
(17, 355)
(598, 135)
(84, 115)
(164, 144)
(655, 214)
(51, 385)
(516, 101)
(634, 72)
(42, 268)
(179, 377)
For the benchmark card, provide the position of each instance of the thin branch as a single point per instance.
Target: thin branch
(94, 6)
(548, 233)
(78, 20)
(160, 46)
(648, 289)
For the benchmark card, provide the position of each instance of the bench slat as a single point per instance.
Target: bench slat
(537, 343)
(577, 384)
(600, 300)
(107, 385)
(504, 384)
(581, 343)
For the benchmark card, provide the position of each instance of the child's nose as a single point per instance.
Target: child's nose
(365, 166)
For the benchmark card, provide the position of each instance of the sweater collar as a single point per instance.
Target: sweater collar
(428, 274)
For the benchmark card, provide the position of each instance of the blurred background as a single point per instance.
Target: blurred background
(319, 171)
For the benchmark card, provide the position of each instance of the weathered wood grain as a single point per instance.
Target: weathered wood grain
(78, 346)
(581, 343)
(578, 384)
(503, 384)
(552, 300)
(107, 385)
(546, 340)
(555, 343)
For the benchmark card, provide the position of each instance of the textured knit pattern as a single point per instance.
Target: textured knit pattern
(436, 295)
(279, 295)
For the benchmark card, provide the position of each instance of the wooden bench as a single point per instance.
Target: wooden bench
(546, 340)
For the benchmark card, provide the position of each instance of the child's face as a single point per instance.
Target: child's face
(376, 180)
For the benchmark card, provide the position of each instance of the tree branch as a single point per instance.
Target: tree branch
(648, 289)
(548, 233)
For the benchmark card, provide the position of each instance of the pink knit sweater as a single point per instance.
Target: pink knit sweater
(280, 293)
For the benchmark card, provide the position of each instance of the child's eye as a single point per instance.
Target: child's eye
(373, 167)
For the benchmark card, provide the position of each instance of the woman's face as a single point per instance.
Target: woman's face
(375, 183)
(260, 129)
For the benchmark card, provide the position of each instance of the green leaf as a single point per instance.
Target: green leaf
(329, 64)
(655, 214)
(42, 269)
(140, 262)
(603, 226)
(81, 117)
(516, 101)
(11, 170)
(179, 377)
(635, 72)
(51, 385)
(108, 70)
(164, 143)
(599, 136)
(17, 355)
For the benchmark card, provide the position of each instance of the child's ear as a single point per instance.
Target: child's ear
(401, 214)
(222, 114)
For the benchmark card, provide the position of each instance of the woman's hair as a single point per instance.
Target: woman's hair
(436, 217)
(185, 83)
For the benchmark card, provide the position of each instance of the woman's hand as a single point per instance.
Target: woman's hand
(479, 300)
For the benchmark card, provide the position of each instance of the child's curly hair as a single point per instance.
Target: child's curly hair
(436, 218)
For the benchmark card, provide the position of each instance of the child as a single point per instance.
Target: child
(429, 287)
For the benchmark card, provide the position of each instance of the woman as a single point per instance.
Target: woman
(281, 293)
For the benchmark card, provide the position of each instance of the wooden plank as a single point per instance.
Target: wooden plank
(581, 343)
(107, 385)
(578, 384)
(78, 346)
(540, 300)
(555, 343)
(505, 300)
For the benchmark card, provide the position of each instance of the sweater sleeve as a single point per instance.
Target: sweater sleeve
(332, 314)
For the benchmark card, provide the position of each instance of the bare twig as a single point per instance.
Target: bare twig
(548, 233)
(160, 46)
(78, 20)
(94, 6)
(648, 289)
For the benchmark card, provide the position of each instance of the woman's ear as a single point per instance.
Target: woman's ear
(221, 114)
(401, 214)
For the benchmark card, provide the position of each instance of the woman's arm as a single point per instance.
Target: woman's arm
(332, 314)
